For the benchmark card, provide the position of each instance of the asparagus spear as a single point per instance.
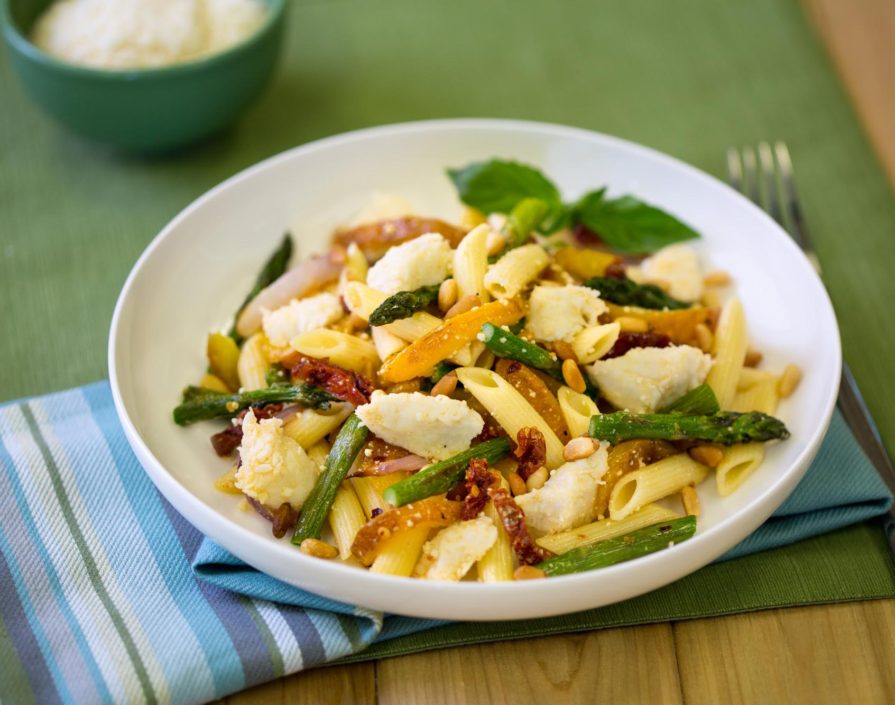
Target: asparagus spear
(403, 305)
(504, 344)
(725, 427)
(623, 548)
(625, 292)
(441, 476)
(526, 215)
(698, 401)
(202, 404)
(347, 445)
(271, 271)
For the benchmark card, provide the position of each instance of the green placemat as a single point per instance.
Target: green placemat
(689, 78)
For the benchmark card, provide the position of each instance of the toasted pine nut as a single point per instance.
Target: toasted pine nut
(465, 304)
(704, 337)
(528, 572)
(564, 351)
(709, 455)
(537, 479)
(578, 448)
(789, 380)
(517, 484)
(445, 386)
(629, 324)
(495, 242)
(716, 279)
(447, 294)
(753, 358)
(690, 500)
(318, 549)
(572, 376)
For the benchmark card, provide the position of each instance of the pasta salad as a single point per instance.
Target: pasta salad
(537, 389)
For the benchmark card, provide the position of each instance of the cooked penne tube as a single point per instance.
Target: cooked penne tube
(606, 529)
(497, 564)
(652, 483)
(309, 426)
(318, 453)
(471, 263)
(577, 410)
(386, 343)
(511, 410)
(761, 396)
(729, 351)
(401, 552)
(507, 277)
(750, 376)
(369, 490)
(594, 342)
(339, 348)
(738, 463)
(252, 364)
(346, 517)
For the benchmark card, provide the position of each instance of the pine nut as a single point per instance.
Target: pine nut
(445, 386)
(690, 500)
(517, 484)
(629, 324)
(537, 479)
(789, 380)
(467, 303)
(707, 455)
(572, 376)
(704, 337)
(716, 279)
(528, 572)
(318, 549)
(753, 358)
(578, 448)
(447, 294)
(494, 243)
(564, 351)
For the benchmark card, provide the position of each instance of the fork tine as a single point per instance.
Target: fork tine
(750, 176)
(797, 227)
(771, 184)
(734, 168)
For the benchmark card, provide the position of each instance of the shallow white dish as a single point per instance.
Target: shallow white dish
(195, 272)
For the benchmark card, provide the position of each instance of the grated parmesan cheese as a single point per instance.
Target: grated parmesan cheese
(128, 34)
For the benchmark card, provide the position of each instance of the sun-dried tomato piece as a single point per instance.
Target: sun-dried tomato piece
(627, 340)
(478, 480)
(282, 519)
(228, 440)
(341, 383)
(513, 519)
(530, 451)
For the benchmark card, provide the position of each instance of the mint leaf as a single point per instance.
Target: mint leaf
(496, 186)
(629, 225)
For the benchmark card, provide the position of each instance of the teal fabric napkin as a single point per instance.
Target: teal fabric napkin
(109, 595)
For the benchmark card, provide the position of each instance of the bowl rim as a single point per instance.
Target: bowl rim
(690, 555)
(20, 43)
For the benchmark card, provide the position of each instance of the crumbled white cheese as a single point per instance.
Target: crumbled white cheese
(301, 316)
(119, 34)
(567, 499)
(274, 468)
(433, 427)
(450, 555)
(647, 379)
(423, 261)
(561, 312)
(676, 266)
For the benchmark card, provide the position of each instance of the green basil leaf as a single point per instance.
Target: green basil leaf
(496, 186)
(629, 225)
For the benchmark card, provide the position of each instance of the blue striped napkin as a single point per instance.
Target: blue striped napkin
(108, 595)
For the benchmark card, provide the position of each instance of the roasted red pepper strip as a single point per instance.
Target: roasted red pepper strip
(531, 451)
(513, 519)
(342, 384)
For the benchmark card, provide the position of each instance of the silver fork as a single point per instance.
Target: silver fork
(765, 175)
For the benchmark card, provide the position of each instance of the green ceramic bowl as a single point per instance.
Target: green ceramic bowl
(144, 110)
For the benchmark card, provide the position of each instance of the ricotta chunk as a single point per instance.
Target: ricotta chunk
(423, 261)
(275, 469)
(450, 555)
(433, 427)
(302, 316)
(567, 499)
(647, 379)
(561, 312)
(674, 265)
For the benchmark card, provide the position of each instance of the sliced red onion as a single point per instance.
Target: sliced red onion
(288, 412)
(296, 282)
(409, 463)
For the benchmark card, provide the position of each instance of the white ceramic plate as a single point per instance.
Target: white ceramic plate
(195, 273)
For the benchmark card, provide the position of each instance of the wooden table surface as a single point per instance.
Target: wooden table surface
(841, 653)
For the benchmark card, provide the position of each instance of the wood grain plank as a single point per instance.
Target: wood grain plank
(337, 685)
(823, 654)
(630, 665)
(860, 38)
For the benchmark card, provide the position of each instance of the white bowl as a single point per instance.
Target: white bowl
(196, 271)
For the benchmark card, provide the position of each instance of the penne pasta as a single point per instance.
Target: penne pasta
(252, 364)
(369, 490)
(576, 409)
(471, 263)
(318, 453)
(538, 394)
(310, 426)
(507, 277)
(654, 482)
(750, 376)
(729, 351)
(339, 348)
(594, 342)
(346, 517)
(606, 529)
(509, 408)
(401, 552)
(386, 343)
(497, 564)
(738, 463)
(761, 396)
